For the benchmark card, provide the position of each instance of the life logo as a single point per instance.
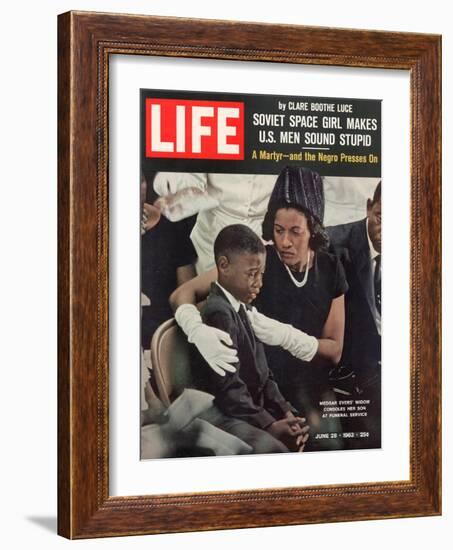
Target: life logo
(198, 129)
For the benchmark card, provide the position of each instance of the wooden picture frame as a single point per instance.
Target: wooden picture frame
(85, 41)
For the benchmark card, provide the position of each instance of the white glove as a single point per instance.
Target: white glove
(211, 342)
(274, 333)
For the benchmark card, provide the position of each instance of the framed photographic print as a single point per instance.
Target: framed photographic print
(233, 352)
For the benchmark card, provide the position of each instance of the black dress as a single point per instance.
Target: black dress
(306, 308)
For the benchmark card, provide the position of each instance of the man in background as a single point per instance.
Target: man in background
(358, 245)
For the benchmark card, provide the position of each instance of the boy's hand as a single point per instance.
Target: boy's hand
(301, 439)
(291, 430)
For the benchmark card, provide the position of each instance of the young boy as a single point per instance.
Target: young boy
(248, 403)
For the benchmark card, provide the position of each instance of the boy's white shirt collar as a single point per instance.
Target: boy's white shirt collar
(233, 301)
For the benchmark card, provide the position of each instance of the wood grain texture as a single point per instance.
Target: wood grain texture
(64, 391)
(85, 42)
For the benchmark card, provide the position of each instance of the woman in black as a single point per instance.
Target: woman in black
(304, 286)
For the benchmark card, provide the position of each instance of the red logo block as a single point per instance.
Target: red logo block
(179, 128)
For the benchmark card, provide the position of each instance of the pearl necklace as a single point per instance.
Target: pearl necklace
(297, 283)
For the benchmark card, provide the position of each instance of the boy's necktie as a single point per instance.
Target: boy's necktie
(245, 320)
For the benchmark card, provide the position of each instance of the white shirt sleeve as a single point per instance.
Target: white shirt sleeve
(166, 183)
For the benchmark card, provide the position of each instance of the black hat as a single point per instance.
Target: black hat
(296, 187)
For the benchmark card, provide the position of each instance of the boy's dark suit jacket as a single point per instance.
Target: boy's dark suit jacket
(250, 394)
(362, 343)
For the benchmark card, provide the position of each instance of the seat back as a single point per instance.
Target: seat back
(170, 359)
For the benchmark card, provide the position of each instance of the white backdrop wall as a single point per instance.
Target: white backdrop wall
(28, 214)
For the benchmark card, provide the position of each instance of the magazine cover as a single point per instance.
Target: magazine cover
(260, 219)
